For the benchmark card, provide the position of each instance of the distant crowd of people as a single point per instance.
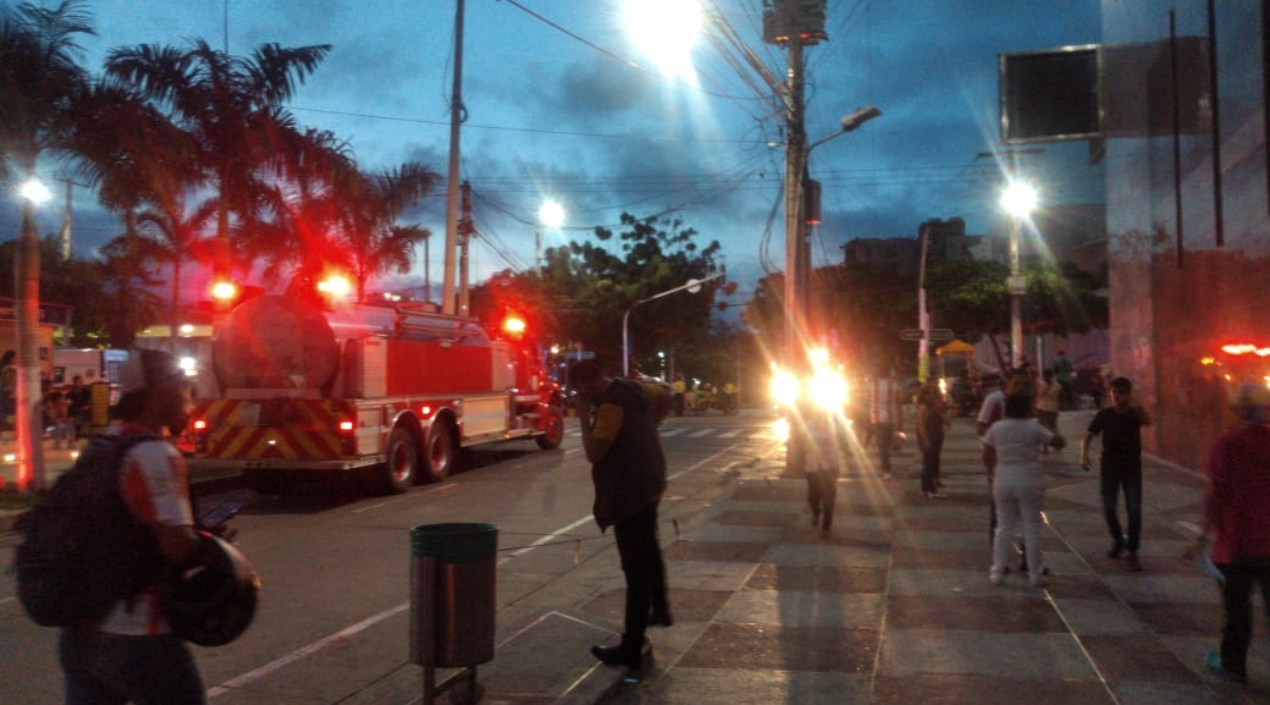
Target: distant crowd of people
(66, 408)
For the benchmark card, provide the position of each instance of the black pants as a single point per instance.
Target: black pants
(930, 461)
(645, 574)
(822, 492)
(1111, 485)
(1236, 598)
(885, 435)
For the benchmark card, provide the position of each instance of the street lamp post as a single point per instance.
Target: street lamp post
(1018, 199)
(28, 419)
(693, 286)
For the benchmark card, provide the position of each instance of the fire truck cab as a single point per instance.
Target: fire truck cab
(389, 395)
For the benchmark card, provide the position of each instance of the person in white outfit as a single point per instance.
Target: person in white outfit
(1011, 454)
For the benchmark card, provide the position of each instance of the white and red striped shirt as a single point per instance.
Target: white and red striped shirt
(154, 484)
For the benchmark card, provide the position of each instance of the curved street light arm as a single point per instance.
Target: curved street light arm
(626, 347)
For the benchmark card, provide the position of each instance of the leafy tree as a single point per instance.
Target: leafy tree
(585, 289)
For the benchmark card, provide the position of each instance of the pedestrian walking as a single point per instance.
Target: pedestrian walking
(1063, 374)
(932, 422)
(628, 470)
(821, 452)
(133, 655)
(885, 417)
(680, 390)
(993, 410)
(1011, 455)
(1120, 467)
(1048, 400)
(1237, 517)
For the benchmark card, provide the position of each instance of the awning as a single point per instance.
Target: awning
(956, 347)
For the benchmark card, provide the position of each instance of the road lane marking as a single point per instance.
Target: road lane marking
(430, 491)
(671, 432)
(305, 652)
(702, 432)
(546, 539)
(731, 434)
(244, 679)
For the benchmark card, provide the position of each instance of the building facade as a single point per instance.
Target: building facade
(1188, 211)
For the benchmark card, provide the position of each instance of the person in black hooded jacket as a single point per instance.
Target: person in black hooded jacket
(628, 469)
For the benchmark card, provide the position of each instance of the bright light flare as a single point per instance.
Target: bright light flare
(1019, 199)
(224, 291)
(336, 286)
(784, 388)
(780, 429)
(828, 389)
(665, 31)
(35, 191)
(551, 214)
(514, 325)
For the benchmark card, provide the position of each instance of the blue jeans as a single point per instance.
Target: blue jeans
(1236, 597)
(111, 669)
(1111, 486)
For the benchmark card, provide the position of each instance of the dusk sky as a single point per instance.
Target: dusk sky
(555, 116)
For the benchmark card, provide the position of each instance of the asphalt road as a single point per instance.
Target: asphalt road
(334, 615)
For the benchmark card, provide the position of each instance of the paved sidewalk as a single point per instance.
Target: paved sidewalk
(895, 607)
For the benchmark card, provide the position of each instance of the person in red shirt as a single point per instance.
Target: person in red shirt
(1237, 515)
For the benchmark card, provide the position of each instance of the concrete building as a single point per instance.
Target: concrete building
(1188, 211)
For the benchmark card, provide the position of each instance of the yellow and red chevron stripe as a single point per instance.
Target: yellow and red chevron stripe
(285, 429)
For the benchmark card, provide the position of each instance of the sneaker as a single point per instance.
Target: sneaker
(661, 619)
(1039, 581)
(1214, 663)
(994, 577)
(934, 495)
(1134, 564)
(1116, 549)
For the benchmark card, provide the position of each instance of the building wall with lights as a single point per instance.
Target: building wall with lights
(1188, 213)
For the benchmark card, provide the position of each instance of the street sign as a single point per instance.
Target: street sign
(936, 335)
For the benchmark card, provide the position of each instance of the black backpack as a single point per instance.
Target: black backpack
(84, 550)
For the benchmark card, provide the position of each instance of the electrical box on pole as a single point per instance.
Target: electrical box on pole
(804, 19)
(811, 202)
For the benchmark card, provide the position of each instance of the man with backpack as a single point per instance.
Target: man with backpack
(124, 650)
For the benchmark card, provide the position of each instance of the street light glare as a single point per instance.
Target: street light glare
(551, 214)
(1019, 199)
(665, 31)
(35, 191)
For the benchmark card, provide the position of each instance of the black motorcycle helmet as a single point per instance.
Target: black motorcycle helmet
(213, 603)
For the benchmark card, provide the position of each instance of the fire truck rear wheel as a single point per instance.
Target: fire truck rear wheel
(554, 433)
(402, 467)
(438, 451)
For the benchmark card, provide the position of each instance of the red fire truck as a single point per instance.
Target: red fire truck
(389, 395)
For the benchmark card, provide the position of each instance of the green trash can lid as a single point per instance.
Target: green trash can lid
(455, 542)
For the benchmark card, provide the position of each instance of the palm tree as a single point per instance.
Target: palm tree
(374, 239)
(233, 107)
(172, 233)
(296, 239)
(40, 77)
(138, 159)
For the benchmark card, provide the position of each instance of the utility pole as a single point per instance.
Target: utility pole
(452, 182)
(795, 165)
(65, 235)
(465, 230)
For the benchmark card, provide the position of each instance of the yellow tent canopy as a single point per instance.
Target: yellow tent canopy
(956, 347)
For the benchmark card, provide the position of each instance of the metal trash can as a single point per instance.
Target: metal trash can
(452, 584)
